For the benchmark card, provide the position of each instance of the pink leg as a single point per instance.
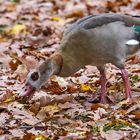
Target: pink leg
(126, 85)
(103, 87)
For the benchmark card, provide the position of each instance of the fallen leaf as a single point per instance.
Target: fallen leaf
(18, 28)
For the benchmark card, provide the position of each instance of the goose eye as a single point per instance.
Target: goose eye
(35, 76)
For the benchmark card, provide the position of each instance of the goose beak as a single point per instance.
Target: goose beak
(27, 91)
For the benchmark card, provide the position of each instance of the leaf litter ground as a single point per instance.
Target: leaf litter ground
(64, 109)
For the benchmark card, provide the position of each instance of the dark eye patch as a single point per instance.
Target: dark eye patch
(35, 76)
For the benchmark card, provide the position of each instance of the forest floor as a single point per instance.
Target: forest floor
(67, 108)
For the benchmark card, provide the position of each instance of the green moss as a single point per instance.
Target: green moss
(15, 1)
(94, 129)
(117, 125)
(134, 79)
(2, 28)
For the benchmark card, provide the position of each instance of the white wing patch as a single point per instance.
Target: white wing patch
(132, 42)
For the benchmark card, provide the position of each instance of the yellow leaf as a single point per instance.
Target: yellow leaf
(18, 28)
(40, 137)
(85, 87)
(56, 18)
(93, 89)
(8, 100)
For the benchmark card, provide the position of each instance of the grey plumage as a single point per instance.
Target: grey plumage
(98, 40)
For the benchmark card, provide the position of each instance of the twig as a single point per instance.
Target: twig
(135, 89)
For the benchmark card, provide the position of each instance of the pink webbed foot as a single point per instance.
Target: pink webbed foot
(103, 80)
(126, 85)
(103, 100)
